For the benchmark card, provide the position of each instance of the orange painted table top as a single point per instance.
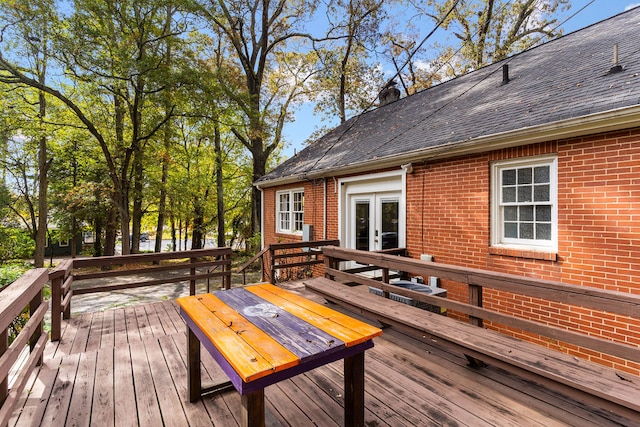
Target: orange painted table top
(262, 334)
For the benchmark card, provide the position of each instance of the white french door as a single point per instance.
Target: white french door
(374, 220)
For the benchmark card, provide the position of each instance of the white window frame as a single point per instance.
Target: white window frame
(290, 218)
(498, 238)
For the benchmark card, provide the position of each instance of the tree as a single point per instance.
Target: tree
(32, 26)
(113, 54)
(487, 31)
(261, 33)
(124, 55)
(349, 79)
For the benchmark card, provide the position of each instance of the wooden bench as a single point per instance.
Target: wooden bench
(612, 390)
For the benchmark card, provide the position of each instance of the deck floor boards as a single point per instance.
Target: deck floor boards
(125, 409)
(127, 367)
(103, 407)
(95, 333)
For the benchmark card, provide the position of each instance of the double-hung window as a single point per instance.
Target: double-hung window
(290, 211)
(524, 204)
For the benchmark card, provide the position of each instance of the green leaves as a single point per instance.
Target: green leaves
(137, 91)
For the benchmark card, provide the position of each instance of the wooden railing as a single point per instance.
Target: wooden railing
(384, 274)
(259, 256)
(61, 280)
(479, 282)
(201, 264)
(25, 293)
(287, 256)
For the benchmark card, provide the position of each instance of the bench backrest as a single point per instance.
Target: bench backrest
(482, 282)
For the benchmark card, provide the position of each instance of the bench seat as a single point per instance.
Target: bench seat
(586, 381)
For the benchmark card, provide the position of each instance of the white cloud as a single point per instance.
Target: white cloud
(423, 65)
(631, 6)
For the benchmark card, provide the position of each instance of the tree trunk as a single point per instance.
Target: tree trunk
(186, 232)
(259, 170)
(162, 203)
(97, 240)
(122, 202)
(136, 217)
(172, 220)
(111, 235)
(43, 183)
(74, 241)
(121, 193)
(198, 224)
(219, 189)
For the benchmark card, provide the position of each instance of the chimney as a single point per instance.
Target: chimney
(616, 66)
(505, 74)
(389, 93)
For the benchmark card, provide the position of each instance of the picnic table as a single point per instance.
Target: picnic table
(261, 334)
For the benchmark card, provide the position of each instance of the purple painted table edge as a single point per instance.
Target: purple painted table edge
(244, 387)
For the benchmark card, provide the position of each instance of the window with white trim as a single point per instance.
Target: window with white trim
(290, 211)
(524, 203)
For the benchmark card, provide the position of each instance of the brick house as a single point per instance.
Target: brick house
(529, 166)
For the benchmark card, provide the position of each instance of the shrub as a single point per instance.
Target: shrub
(8, 274)
(15, 244)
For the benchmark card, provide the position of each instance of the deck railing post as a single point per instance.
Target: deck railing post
(227, 270)
(272, 266)
(34, 304)
(329, 262)
(192, 272)
(61, 292)
(67, 292)
(385, 279)
(66, 314)
(4, 383)
(475, 298)
(56, 304)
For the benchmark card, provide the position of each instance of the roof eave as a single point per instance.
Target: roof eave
(611, 120)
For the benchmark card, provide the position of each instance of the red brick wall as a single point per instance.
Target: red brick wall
(448, 213)
(448, 216)
(314, 213)
(599, 197)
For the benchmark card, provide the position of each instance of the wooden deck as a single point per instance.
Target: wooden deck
(127, 367)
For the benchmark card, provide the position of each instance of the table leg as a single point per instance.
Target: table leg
(253, 409)
(354, 390)
(195, 380)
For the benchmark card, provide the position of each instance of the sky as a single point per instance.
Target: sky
(305, 123)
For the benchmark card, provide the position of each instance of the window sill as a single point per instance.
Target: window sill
(523, 253)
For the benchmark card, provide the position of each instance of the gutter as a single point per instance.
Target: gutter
(618, 119)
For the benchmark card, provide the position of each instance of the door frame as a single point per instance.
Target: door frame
(384, 182)
(375, 203)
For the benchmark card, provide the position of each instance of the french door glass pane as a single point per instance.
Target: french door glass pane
(389, 224)
(363, 219)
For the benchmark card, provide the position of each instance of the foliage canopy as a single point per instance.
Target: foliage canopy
(125, 116)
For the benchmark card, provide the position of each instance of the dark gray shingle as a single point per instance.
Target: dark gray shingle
(563, 79)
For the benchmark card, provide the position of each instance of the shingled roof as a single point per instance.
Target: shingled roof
(562, 88)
